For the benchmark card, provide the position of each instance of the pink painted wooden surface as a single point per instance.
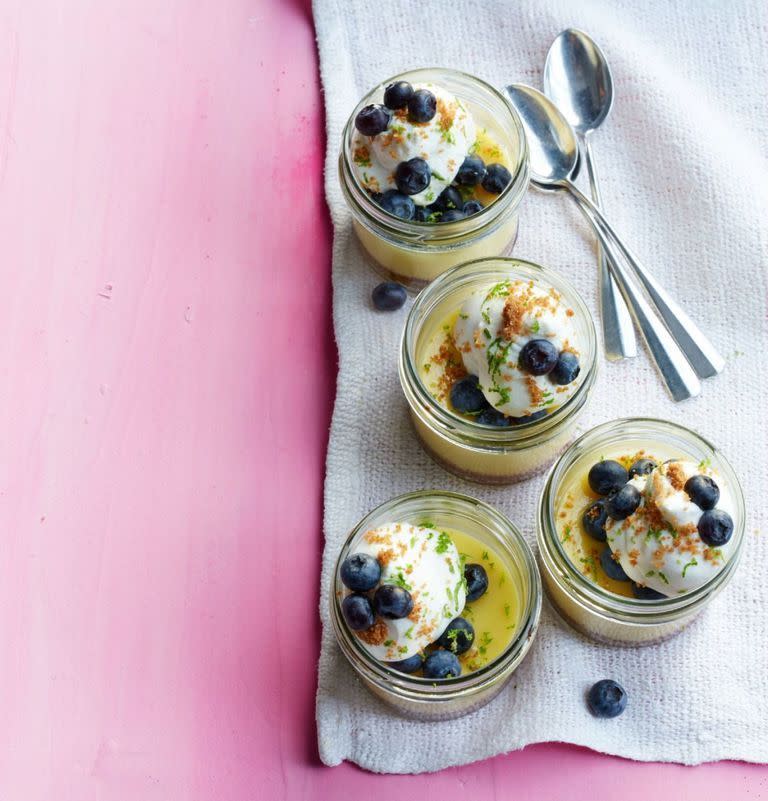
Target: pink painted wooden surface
(163, 245)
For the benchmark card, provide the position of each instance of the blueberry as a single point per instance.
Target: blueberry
(593, 520)
(477, 580)
(450, 198)
(606, 699)
(566, 369)
(441, 665)
(413, 176)
(623, 503)
(422, 214)
(397, 94)
(611, 567)
(703, 491)
(409, 665)
(458, 636)
(606, 477)
(389, 296)
(422, 105)
(360, 572)
(372, 120)
(357, 612)
(471, 172)
(398, 204)
(496, 178)
(472, 207)
(715, 527)
(646, 593)
(466, 396)
(528, 418)
(392, 602)
(538, 357)
(452, 215)
(642, 467)
(492, 417)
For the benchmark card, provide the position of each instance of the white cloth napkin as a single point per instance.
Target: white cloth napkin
(684, 178)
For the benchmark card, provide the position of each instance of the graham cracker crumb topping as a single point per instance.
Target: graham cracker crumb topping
(512, 317)
(376, 634)
(377, 537)
(449, 358)
(534, 390)
(676, 475)
(447, 113)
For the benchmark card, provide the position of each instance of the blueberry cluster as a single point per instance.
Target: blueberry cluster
(537, 357)
(715, 525)
(541, 357)
(375, 119)
(415, 175)
(361, 573)
(621, 499)
(370, 600)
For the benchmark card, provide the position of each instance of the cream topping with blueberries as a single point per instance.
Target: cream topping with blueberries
(519, 343)
(418, 588)
(442, 142)
(667, 526)
(417, 154)
(428, 601)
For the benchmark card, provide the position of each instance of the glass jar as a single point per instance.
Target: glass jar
(595, 612)
(477, 452)
(414, 253)
(426, 699)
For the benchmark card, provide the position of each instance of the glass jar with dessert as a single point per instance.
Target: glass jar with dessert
(640, 525)
(497, 361)
(435, 602)
(433, 166)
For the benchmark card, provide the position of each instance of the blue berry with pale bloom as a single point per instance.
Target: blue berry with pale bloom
(441, 665)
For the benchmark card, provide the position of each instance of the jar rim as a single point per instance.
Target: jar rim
(602, 601)
(508, 536)
(451, 425)
(424, 233)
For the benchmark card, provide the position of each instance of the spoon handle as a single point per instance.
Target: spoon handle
(676, 372)
(618, 331)
(701, 353)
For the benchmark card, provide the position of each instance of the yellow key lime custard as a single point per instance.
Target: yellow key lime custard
(641, 523)
(435, 603)
(497, 360)
(433, 165)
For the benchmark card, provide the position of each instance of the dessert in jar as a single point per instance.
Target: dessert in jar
(497, 360)
(435, 601)
(640, 524)
(433, 165)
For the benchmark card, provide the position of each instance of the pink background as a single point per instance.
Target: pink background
(165, 247)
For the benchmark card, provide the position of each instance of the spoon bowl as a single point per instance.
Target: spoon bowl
(552, 146)
(578, 79)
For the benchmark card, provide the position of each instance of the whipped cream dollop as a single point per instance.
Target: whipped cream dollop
(659, 544)
(443, 143)
(493, 326)
(425, 562)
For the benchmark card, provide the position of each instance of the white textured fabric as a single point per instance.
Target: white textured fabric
(684, 178)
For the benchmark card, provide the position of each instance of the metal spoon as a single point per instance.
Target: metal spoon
(553, 154)
(577, 78)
